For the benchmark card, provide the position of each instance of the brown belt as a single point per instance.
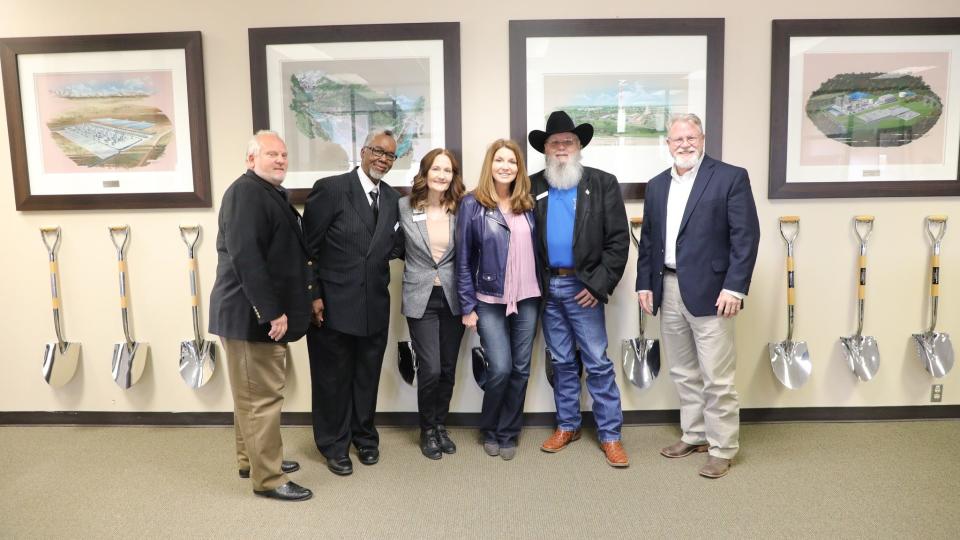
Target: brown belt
(563, 272)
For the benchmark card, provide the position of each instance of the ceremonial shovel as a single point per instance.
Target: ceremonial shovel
(129, 357)
(641, 356)
(198, 357)
(407, 362)
(790, 359)
(861, 351)
(934, 348)
(60, 357)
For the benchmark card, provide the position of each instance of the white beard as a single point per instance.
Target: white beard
(687, 163)
(375, 174)
(563, 175)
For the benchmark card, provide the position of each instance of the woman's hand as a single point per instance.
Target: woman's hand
(470, 320)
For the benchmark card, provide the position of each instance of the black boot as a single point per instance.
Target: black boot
(443, 438)
(429, 445)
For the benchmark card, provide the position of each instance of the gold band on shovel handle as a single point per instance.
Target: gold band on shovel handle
(60, 358)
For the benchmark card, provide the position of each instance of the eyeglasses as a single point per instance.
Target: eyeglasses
(558, 143)
(381, 153)
(677, 141)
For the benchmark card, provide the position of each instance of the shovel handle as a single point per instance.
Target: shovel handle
(791, 285)
(124, 297)
(862, 286)
(635, 223)
(935, 276)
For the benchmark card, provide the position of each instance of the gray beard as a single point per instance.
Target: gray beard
(563, 175)
(687, 163)
(375, 175)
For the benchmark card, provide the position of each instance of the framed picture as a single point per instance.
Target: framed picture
(107, 121)
(865, 108)
(324, 88)
(614, 74)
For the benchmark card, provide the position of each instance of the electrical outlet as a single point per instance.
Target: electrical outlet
(936, 393)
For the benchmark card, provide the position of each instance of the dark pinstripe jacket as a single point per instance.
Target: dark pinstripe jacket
(352, 252)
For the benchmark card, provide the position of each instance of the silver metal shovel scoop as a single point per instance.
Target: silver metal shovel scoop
(129, 357)
(60, 358)
(641, 356)
(934, 348)
(198, 357)
(789, 359)
(862, 353)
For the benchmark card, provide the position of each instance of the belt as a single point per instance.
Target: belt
(563, 272)
(669, 270)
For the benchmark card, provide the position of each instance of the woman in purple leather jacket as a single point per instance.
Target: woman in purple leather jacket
(498, 288)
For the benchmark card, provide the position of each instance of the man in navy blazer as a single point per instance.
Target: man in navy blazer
(350, 221)
(697, 251)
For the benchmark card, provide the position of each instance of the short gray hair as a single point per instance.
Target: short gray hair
(253, 145)
(689, 118)
(376, 133)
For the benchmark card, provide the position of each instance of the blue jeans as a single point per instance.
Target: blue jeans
(507, 343)
(566, 325)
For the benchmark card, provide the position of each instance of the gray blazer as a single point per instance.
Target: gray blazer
(419, 270)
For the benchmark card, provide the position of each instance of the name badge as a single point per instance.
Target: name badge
(419, 217)
(543, 195)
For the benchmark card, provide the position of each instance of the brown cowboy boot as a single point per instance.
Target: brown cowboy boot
(559, 440)
(616, 455)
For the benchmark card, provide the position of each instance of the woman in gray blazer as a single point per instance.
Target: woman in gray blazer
(428, 224)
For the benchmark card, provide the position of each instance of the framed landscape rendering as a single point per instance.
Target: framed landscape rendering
(107, 121)
(623, 76)
(865, 108)
(324, 88)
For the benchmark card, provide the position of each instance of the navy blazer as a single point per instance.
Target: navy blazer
(483, 241)
(718, 239)
(352, 252)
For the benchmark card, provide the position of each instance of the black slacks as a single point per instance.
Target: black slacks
(345, 375)
(436, 342)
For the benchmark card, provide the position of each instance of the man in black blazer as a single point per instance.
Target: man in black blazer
(351, 221)
(697, 251)
(583, 242)
(260, 302)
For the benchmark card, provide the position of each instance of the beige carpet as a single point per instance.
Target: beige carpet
(871, 480)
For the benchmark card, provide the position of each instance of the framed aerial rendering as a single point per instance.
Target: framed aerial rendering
(324, 88)
(865, 108)
(107, 121)
(613, 73)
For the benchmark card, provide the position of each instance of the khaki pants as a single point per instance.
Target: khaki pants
(257, 380)
(703, 364)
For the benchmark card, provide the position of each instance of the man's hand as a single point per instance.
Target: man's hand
(585, 299)
(646, 301)
(470, 320)
(317, 317)
(728, 305)
(278, 327)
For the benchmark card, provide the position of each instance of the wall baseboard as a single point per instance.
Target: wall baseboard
(539, 419)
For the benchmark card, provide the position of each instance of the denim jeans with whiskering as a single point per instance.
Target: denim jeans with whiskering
(567, 325)
(507, 343)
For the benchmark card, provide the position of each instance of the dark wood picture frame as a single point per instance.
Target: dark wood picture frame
(447, 32)
(189, 42)
(712, 29)
(783, 31)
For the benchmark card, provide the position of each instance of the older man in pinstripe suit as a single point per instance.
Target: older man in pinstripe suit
(350, 221)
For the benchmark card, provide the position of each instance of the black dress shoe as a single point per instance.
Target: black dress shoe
(340, 465)
(287, 492)
(287, 467)
(369, 455)
(429, 446)
(446, 445)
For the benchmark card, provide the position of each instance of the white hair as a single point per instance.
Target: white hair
(689, 118)
(376, 133)
(564, 175)
(253, 145)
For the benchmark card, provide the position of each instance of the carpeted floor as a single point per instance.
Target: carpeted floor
(868, 480)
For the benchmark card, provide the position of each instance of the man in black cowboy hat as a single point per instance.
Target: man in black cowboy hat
(582, 231)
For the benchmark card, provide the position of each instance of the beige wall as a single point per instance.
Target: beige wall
(897, 302)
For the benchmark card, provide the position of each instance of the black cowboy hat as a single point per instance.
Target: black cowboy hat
(560, 122)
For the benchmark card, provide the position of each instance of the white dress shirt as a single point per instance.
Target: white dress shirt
(367, 184)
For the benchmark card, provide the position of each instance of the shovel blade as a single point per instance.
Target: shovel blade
(548, 364)
(128, 363)
(407, 362)
(641, 361)
(60, 363)
(863, 356)
(791, 363)
(935, 352)
(197, 363)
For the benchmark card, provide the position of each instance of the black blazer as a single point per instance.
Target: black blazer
(352, 252)
(263, 264)
(718, 239)
(600, 235)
